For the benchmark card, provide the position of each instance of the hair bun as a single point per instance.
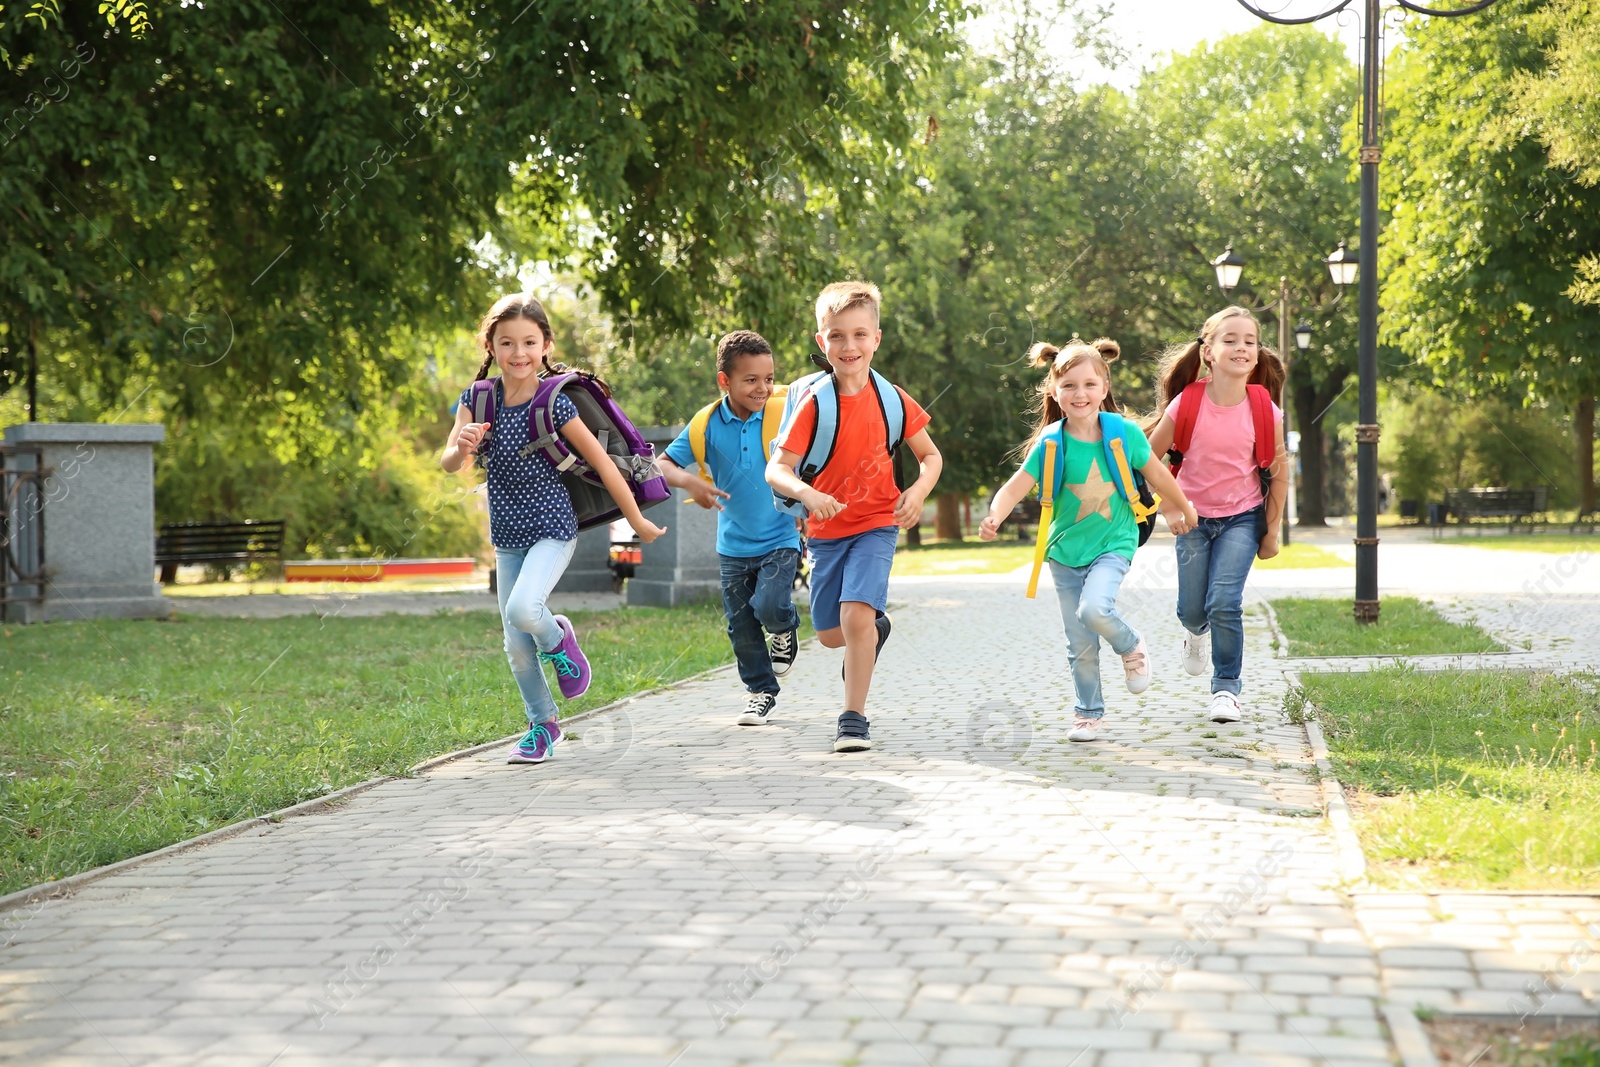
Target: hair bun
(1042, 354)
(1109, 350)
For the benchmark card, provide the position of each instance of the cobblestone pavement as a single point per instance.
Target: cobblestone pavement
(671, 889)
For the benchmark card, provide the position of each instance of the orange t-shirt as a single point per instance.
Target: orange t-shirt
(860, 475)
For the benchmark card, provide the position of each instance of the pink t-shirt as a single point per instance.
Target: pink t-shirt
(1219, 470)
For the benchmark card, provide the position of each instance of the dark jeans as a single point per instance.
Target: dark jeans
(757, 596)
(1214, 560)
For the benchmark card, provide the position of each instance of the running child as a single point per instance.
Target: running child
(720, 460)
(1091, 545)
(531, 521)
(847, 486)
(1225, 431)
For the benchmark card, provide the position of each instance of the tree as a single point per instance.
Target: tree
(1243, 144)
(1484, 235)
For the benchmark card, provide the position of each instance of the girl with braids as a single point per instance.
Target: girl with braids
(1091, 544)
(1215, 422)
(531, 521)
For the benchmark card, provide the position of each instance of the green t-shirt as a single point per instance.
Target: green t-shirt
(1091, 518)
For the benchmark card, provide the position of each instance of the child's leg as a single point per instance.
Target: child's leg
(864, 594)
(1097, 603)
(773, 600)
(1083, 644)
(739, 586)
(1232, 553)
(526, 577)
(1194, 576)
(859, 626)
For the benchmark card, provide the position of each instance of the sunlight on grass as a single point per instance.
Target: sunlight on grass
(1551, 544)
(1299, 556)
(1468, 779)
(962, 557)
(1324, 626)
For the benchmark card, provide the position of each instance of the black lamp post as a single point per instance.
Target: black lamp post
(1366, 604)
(1230, 270)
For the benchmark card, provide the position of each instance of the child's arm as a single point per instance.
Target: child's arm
(465, 437)
(1161, 437)
(1010, 494)
(908, 509)
(781, 476)
(1277, 497)
(1175, 507)
(583, 441)
(701, 491)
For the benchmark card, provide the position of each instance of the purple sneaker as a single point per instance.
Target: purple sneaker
(572, 666)
(536, 744)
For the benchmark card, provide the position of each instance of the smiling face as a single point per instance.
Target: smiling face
(1234, 348)
(1079, 390)
(749, 383)
(518, 346)
(849, 338)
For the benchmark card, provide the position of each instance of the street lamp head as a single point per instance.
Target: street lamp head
(1229, 267)
(1302, 337)
(1344, 265)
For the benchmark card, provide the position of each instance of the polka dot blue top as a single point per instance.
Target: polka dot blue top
(527, 502)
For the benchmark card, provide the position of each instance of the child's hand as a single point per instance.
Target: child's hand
(1180, 520)
(471, 436)
(822, 506)
(908, 509)
(705, 494)
(647, 531)
(1269, 546)
(989, 528)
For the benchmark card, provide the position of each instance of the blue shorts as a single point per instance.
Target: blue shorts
(850, 568)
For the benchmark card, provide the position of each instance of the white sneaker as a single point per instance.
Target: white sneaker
(756, 709)
(1224, 707)
(1084, 730)
(1196, 653)
(1137, 665)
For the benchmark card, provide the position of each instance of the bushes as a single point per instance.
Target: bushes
(1432, 443)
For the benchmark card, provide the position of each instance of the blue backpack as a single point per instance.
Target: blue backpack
(1130, 484)
(821, 388)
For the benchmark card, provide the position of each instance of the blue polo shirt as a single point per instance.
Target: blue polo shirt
(748, 525)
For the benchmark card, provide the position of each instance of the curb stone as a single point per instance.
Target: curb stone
(1352, 861)
(65, 887)
(1410, 1039)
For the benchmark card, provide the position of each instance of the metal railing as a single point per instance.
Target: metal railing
(22, 500)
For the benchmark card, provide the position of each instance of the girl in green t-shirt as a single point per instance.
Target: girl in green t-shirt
(1094, 531)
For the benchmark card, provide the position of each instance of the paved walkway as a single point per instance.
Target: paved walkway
(672, 889)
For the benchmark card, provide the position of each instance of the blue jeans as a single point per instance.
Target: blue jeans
(1089, 612)
(525, 578)
(757, 598)
(1214, 559)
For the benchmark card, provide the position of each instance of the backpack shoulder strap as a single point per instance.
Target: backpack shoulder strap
(1265, 425)
(894, 411)
(697, 437)
(481, 401)
(1188, 414)
(772, 419)
(1113, 442)
(825, 431)
(542, 433)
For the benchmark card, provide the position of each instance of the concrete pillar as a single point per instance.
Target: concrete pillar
(590, 569)
(680, 567)
(98, 520)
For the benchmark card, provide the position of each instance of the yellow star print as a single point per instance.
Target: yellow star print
(1093, 493)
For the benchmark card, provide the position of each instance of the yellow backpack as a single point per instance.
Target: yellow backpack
(771, 418)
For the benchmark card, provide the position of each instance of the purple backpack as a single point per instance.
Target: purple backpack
(634, 456)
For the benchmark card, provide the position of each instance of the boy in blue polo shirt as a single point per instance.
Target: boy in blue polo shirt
(758, 545)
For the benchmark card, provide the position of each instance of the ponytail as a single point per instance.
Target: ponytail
(1183, 364)
(1102, 353)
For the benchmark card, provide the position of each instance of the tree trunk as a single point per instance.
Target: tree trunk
(914, 536)
(947, 517)
(1583, 425)
(1310, 510)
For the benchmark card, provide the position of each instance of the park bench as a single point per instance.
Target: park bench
(1496, 502)
(217, 542)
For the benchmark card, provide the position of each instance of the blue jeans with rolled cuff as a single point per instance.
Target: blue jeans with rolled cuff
(758, 599)
(1088, 598)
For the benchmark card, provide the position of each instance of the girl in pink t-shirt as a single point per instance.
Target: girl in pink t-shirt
(1221, 477)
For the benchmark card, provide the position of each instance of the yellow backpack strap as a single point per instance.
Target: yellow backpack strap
(1140, 511)
(1047, 501)
(772, 419)
(697, 437)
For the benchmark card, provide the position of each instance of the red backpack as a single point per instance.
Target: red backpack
(1260, 417)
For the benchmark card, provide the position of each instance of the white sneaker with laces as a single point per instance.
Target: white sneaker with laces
(1196, 653)
(1136, 662)
(1084, 730)
(1224, 707)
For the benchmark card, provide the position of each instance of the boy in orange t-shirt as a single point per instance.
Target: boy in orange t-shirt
(856, 510)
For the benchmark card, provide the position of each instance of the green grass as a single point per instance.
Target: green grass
(1553, 544)
(963, 557)
(1300, 556)
(1468, 779)
(120, 737)
(1324, 626)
